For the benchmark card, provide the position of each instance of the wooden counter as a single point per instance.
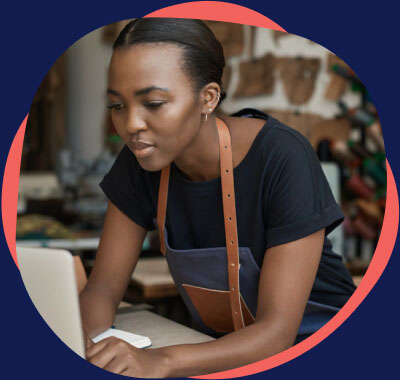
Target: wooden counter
(161, 331)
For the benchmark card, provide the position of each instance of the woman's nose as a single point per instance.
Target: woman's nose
(134, 122)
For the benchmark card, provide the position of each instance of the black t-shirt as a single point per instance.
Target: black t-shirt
(281, 195)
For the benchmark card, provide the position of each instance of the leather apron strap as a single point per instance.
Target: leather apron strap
(162, 205)
(231, 235)
(229, 209)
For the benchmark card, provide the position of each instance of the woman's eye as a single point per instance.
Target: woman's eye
(153, 104)
(115, 106)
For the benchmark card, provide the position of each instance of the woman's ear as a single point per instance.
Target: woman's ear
(210, 95)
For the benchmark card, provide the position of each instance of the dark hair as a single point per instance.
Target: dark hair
(203, 55)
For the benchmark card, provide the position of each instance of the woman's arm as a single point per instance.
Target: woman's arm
(119, 249)
(287, 275)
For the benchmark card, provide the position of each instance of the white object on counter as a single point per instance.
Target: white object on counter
(139, 341)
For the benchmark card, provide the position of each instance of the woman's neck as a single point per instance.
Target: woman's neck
(200, 160)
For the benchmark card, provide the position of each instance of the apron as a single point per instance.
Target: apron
(220, 285)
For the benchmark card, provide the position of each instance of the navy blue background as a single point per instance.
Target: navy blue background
(33, 35)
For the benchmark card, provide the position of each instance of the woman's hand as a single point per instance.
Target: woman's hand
(87, 340)
(115, 355)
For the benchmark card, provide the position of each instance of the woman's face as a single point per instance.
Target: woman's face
(153, 106)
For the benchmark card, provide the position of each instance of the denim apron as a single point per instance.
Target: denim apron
(220, 285)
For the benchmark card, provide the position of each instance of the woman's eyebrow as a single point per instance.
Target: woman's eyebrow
(148, 89)
(113, 92)
(142, 91)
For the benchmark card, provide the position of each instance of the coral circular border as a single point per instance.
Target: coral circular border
(221, 11)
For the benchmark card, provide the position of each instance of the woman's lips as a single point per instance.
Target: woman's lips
(142, 149)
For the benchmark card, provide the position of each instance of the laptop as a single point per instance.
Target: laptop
(49, 277)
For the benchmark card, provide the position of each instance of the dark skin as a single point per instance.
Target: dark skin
(178, 133)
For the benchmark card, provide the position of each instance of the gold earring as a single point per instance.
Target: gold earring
(206, 116)
(218, 96)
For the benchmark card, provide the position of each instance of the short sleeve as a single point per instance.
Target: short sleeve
(298, 200)
(124, 187)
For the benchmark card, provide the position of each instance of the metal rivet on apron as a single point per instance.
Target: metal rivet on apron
(232, 264)
(232, 241)
(226, 171)
(228, 195)
(230, 218)
(226, 147)
(233, 289)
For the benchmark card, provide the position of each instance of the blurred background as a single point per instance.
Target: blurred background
(70, 144)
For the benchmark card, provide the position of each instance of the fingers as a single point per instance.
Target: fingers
(125, 372)
(117, 366)
(111, 354)
(101, 353)
(89, 342)
(86, 338)
(96, 348)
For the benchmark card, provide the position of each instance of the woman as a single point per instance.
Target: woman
(241, 204)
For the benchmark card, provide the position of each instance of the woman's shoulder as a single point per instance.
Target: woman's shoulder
(255, 130)
(243, 131)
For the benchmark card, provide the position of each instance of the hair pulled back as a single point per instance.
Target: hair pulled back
(203, 55)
